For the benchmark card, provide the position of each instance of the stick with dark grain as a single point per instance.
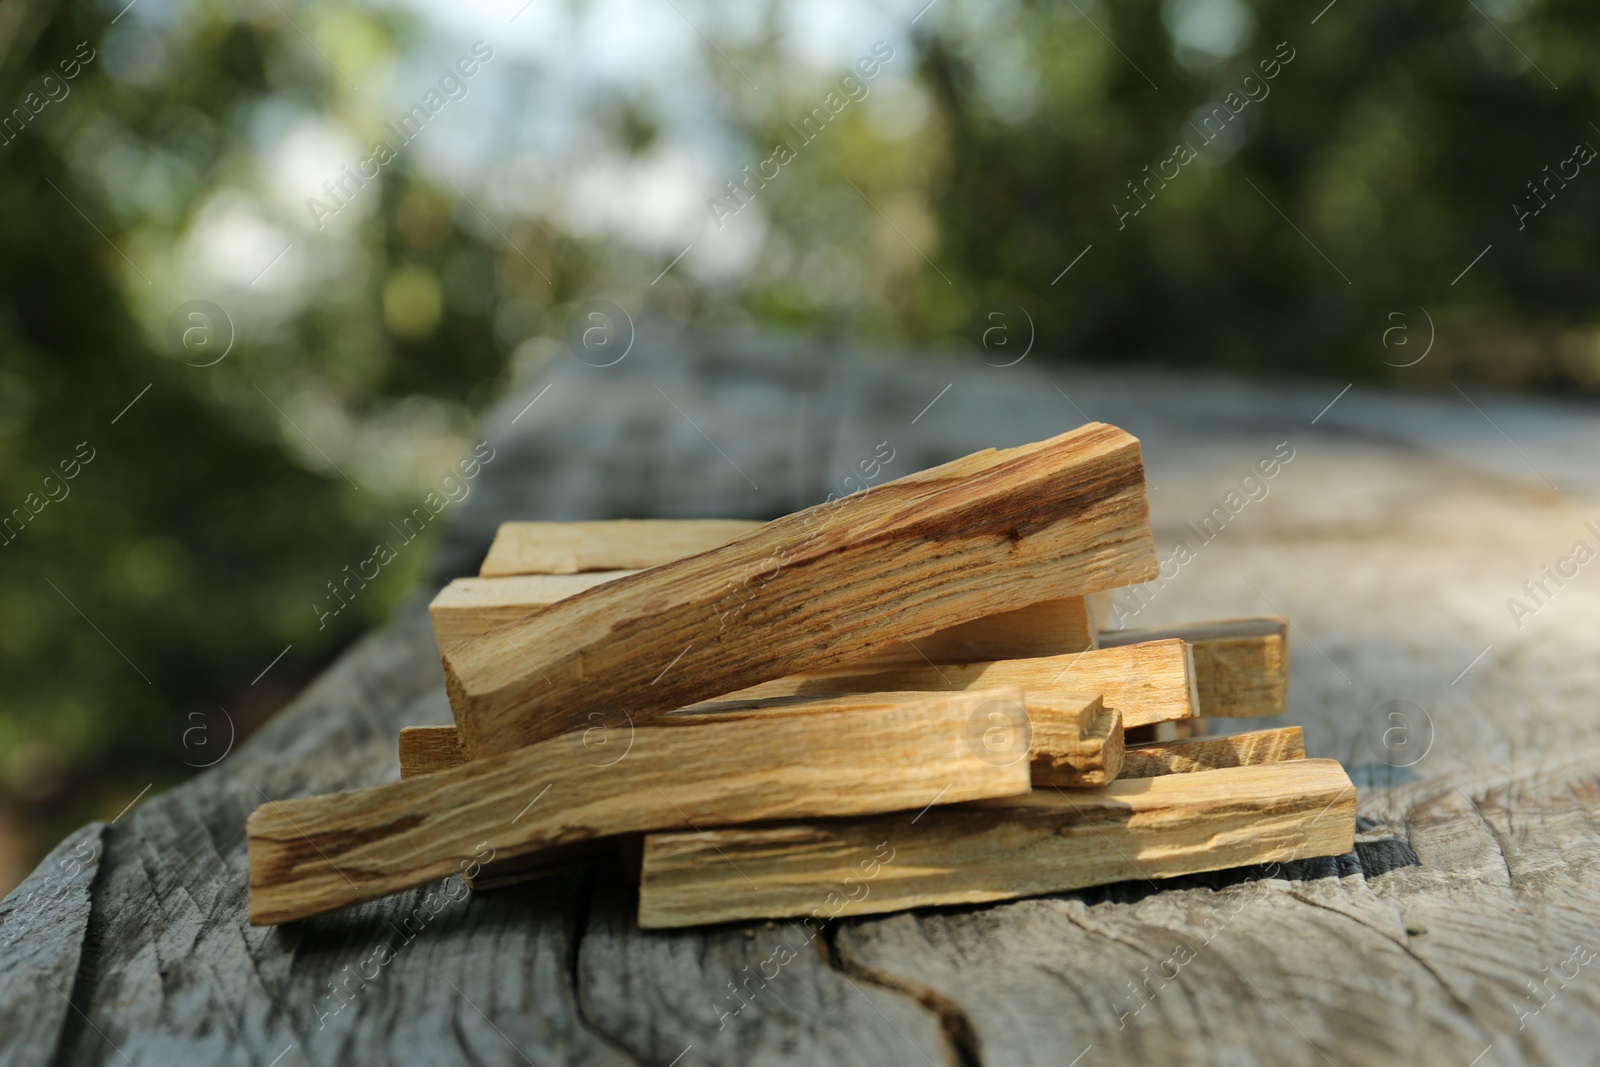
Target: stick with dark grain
(313, 854)
(989, 533)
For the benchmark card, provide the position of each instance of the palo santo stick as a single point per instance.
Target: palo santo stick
(619, 544)
(1152, 682)
(1048, 628)
(1048, 842)
(472, 607)
(989, 533)
(314, 854)
(1076, 740)
(1209, 753)
(1241, 665)
(1100, 606)
(428, 750)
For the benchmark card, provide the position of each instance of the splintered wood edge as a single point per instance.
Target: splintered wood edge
(1050, 841)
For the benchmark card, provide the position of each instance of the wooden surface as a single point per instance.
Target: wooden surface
(1392, 540)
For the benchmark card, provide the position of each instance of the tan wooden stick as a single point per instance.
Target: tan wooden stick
(1209, 753)
(1151, 682)
(618, 544)
(1076, 740)
(1050, 841)
(989, 533)
(470, 608)
(1241, 665)
(312, 854)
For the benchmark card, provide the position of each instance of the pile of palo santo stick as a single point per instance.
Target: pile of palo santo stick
(896, 699)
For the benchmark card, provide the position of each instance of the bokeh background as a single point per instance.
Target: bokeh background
(263, 370)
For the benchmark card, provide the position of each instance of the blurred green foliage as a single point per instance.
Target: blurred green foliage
(1001, 142)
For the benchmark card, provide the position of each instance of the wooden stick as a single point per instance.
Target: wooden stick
(313, 854)
(1076, 740)
(1209, 753)
(469, 608)
(621, 544)
(1048, 628)
(1152, 682)
(1100, 606)
(989, 533)
(429, 750)
(1051, 841)
(1241, 665)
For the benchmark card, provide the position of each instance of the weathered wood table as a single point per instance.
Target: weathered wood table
(1462, 929)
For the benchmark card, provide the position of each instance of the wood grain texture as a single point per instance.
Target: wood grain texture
(1147, 683)
(1048, 628)
(1074, 739)
(1241, 666)
(1210, 753)
(611, 545)
(988, 533)
(1047, 842)
(470, 608)
(1077, 741)
(43, 923)
(313, 854)
(428, 749)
